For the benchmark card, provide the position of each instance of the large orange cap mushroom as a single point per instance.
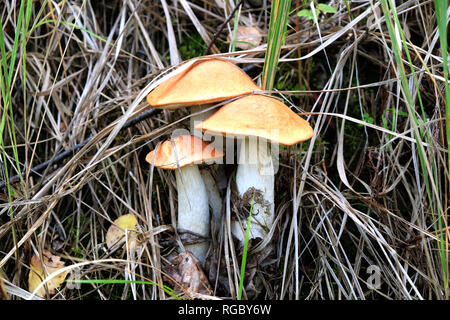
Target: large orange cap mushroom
(186, 149)
(261, 116)
(205, 81)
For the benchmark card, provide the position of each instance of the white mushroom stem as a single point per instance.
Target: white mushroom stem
(214, 198)
(255, 170)
(193, 209)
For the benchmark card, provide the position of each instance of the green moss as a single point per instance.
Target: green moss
(192, 46)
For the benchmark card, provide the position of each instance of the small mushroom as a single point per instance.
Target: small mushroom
(183, 154)
(256, 117)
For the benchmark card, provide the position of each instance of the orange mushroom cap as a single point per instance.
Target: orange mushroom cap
(261, 116)
(186, 149)
(205, 81)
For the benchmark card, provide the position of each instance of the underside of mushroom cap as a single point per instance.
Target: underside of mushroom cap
(204, 81)
(260, 116)
(188, 150)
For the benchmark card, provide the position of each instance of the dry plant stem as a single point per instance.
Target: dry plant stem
(222, 26)
(63, 155)
(255, 171)
(193, 209)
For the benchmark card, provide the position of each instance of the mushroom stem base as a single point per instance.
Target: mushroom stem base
(255, 180)
(193, 208)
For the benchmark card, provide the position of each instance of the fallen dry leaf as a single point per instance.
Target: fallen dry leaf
(187, 274)
(39, 272)
(116, 232)
(247, 37)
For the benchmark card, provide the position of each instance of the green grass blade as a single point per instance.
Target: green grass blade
(8, 70)
(244, 253)
(429, 172)
(441, 18)
(279, 16)
(235, 27)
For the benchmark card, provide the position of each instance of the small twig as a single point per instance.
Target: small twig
(63, 155)
(220, 29)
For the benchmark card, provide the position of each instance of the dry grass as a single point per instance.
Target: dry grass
(351, 199)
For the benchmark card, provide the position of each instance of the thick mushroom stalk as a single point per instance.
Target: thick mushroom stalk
(255, 180)
(193, 208)
(182, 154)
(214, 198)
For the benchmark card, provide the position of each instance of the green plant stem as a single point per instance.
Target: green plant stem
(244, 253)
(441, 18)
(392, 21)
(279, 16)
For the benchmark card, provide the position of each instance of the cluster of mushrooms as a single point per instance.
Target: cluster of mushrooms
(257, 120)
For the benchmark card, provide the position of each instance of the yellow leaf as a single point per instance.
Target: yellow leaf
(116, 232)
(39, 272)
